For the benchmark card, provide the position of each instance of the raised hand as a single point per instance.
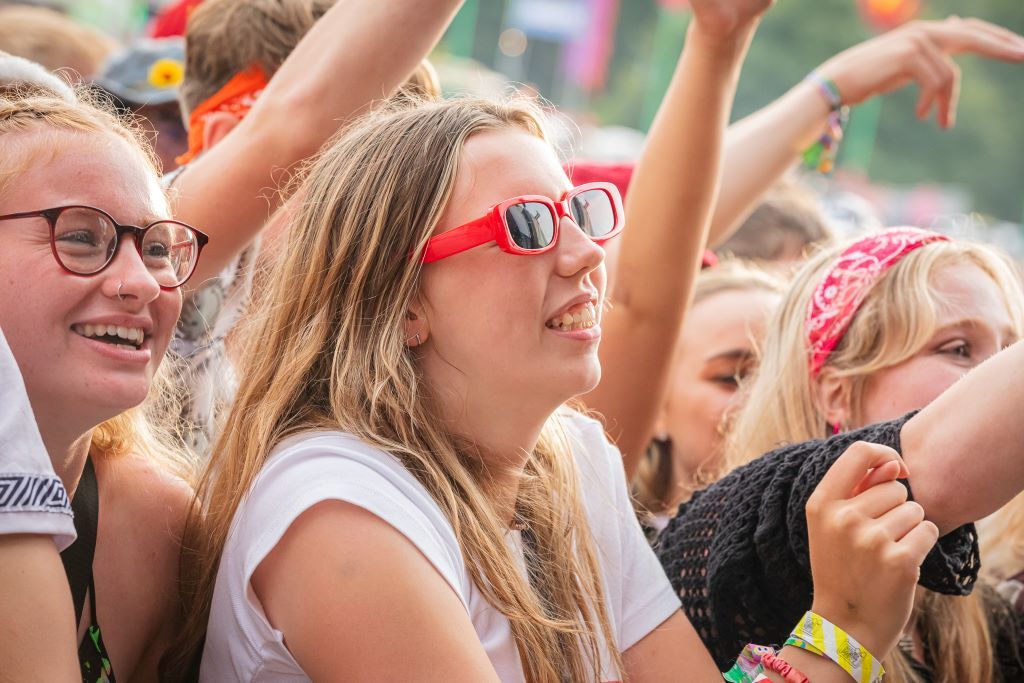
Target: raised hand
(920, 52)
(867, 543)
(727, 18)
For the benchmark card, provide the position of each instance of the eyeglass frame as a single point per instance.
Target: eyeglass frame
(491, 227)
(138, 236)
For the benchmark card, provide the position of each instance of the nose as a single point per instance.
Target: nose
(577, 254)
(127, 277)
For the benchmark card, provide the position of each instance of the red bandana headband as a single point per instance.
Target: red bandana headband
(846, 283)
(236, 97)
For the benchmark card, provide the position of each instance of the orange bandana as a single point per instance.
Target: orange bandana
(236, 97)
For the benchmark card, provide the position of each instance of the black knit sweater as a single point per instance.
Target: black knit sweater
(737, 551)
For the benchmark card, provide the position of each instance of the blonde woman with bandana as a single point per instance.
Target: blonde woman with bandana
(868, 333)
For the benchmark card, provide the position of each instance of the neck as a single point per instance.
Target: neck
(505, 433)
(683, 483)
(68, 448)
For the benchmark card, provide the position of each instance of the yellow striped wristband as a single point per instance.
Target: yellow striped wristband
(821, 637)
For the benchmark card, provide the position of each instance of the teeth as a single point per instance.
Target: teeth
(583, 319)
(134, 335)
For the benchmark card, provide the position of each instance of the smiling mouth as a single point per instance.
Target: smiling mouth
(583, 318)
(128, 337)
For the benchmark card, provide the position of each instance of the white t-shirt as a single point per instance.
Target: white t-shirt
(310, 468)
(32, 497)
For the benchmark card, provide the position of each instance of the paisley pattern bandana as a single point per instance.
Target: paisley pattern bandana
(848, 281)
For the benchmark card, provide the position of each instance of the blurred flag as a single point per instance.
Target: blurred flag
(883, 15)
(590, 52)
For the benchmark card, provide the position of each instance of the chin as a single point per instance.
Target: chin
(582, 380)
(116, 398)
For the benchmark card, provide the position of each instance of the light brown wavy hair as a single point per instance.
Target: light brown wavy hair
(895, 321)
(327, 351)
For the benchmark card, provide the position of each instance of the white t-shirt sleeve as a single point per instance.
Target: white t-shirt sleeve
(306, 470)
(343, 469)
(637, 584)
(32, 497)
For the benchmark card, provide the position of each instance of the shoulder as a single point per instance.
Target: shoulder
(308, 470)
(142, 496)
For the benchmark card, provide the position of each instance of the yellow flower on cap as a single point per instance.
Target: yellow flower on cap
(166, 73)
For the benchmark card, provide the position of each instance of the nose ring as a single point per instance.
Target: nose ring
(119, 286)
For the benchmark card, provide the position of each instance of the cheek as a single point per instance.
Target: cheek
(489, 307)
(696, 407)
(894, 392)
(166, 310)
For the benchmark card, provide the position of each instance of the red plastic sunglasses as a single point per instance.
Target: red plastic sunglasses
(529, 224)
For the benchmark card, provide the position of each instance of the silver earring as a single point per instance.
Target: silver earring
(119, 286)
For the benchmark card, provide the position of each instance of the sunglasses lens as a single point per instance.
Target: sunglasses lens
(530, 224)
(594, 212)
(84, 239)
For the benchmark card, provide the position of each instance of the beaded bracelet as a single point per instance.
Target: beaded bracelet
(821, 637)
(822, 154)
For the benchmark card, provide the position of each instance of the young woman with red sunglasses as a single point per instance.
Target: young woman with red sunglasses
(89, 296)
(399, 492)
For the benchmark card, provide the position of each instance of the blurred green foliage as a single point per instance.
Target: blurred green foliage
(984, 152)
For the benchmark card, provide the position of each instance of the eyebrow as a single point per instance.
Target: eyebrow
(966, 323)
(732, 354)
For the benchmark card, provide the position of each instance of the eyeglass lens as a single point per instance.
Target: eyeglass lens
(86, 241)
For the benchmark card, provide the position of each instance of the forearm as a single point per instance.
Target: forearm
(357, 53)
(759, 149)
(667, 213)
(360, 51)
(965, 451)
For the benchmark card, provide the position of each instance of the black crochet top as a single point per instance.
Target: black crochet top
(737, 551)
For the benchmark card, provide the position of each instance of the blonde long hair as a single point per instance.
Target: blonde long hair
(327, 351)
(895, 321)
(37, 108)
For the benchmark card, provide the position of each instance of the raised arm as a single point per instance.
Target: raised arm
(764, 145)
(667, 213)
(966, 449)
(358, 52)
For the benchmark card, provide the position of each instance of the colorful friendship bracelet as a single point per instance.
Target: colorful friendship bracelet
(755, 660)
(822, 154)
(821, 637)
(828, 89)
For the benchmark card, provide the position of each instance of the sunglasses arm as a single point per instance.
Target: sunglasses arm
(472, 234)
